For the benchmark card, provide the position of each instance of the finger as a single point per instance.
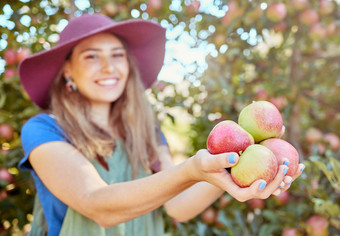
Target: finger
(211, 162)
(273, 185)
(287, 181)
(277, 192)
(228, 159)
(299, 171)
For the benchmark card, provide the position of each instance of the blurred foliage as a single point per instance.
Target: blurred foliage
(288, 56)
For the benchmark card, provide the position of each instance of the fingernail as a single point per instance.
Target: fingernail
(302, 169)
(281, 186)
(262, 185)
(285, 170)
(277, 194)
(286, 163)
(289, 183)
(231, 158)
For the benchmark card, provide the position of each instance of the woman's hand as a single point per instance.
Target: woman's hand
(212, 168)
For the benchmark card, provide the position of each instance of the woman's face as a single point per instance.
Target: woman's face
(99, 67)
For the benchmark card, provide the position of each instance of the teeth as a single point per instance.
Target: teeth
(107, 82)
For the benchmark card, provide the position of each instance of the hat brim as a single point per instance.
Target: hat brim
(145, 40)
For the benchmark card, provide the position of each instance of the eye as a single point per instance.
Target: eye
(118, 54)
(91, 57)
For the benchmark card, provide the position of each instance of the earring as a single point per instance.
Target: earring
(70, 85)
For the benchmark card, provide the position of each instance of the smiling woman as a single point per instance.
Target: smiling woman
(97, 155)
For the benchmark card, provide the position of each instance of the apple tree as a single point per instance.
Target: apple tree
(234, 52)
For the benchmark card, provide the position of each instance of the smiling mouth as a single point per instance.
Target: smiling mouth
(107, 82)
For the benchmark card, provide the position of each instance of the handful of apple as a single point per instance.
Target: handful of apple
(256, 138)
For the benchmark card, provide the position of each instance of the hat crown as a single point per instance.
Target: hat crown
(83, 25)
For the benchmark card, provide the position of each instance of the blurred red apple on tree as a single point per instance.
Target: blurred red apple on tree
(5, 175)
(326, 7)
(256, 203)
(9, 73)
(333, 141)
(10, 57)
(309, 17)
(313, 135)
(6, 131)
(262, 120)
(283, 150)
(228, 136)
(276, 11)
(234, 11)
(209, 216)
(22, 53)
(317, 225)
(288, 231)
(299, 4)
(193, 7)
(256, 162)
(317, 32)
(282, 199)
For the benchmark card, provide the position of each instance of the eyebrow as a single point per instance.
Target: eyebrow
(98, 49)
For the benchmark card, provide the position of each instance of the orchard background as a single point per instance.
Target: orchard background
(221, 55)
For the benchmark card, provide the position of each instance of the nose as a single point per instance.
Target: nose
(107, 65)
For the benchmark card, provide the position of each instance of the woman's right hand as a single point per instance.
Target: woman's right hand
(212, 168)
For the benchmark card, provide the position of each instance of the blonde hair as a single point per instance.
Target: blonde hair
(132, 121)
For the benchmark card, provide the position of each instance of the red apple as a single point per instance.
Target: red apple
(313, 135)
(283, 149)
(256, 203)
(333, 141)
(291, 232)
(224, 200)
(326, 7)
(282, 199)
(256, 162)
(6, 131)
(309, 17)
(280, 102)
(110, 8)
(209, 216)
(276, 11)
(22, 53)
(299, 4)
(5, 175)
(234, 11)
(317, 32)
(228, 136)
(317, 225)
(193, 7)
(280, 27)
(10, 57)
(262, 120)
(9, 73)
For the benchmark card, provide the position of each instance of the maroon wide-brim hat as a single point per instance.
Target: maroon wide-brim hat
(145, 40)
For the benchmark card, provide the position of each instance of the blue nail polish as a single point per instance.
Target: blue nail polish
(262, 185)
(231, 158)
(289, 183)
(286, 163)
(302, 169)
(281, 186)
(285, 170)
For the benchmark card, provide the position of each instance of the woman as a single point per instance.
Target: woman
(100, 164)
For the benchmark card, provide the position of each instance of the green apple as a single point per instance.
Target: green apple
(256, 162)
(262, 120)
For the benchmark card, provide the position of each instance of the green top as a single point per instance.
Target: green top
(150, 224)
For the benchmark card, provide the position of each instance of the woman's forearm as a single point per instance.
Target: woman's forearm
(121, 202)
(192, 201)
